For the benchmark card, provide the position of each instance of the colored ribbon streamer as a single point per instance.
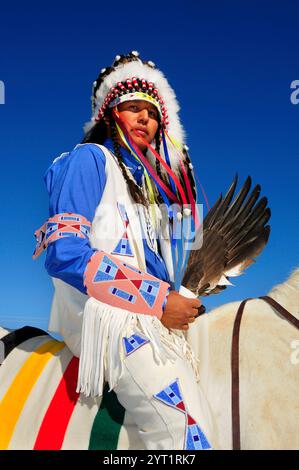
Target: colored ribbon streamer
(149, 168)
(147, 178)
(167, 159)
(183, 252)
(178, 250)
(121, 122)
(186, 179)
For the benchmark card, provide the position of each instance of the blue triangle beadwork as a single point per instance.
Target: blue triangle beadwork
(195, 439)
(106, 271)
(149, 291)
(123, 248)
(134, 342)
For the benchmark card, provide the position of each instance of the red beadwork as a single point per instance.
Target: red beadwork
(135, 83)
(114, 90)
(131, 85)
(121, 86)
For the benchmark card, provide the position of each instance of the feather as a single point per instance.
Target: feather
(235, 231)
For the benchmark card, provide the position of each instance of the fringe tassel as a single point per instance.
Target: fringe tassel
(104, 328)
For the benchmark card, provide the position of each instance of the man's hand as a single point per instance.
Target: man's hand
(179, 311)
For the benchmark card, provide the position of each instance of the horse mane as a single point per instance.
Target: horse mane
(287, 293)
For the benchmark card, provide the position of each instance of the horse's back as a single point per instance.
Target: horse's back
(269, 379)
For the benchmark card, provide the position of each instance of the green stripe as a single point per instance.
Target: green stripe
(107, 424)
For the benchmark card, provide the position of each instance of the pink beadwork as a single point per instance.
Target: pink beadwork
(61, 225)
(118, 284)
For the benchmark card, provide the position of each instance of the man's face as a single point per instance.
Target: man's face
(141, 116)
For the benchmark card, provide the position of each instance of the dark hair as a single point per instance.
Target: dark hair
(191, 177)
(134, 189)
(98, 135)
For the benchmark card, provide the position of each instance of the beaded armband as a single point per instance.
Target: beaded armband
(121, 285)
(60, 226)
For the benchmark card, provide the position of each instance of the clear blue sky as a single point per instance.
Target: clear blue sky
(231, 64)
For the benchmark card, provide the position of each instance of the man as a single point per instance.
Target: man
(104, 239)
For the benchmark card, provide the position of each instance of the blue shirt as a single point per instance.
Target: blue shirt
(75, 182)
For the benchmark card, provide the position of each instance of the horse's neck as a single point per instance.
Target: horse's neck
(210, 338)
(287, 294)
(198, 338)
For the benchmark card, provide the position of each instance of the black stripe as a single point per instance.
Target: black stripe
(16, 337)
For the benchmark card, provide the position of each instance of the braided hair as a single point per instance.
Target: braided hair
(134, 188)
(188, 167)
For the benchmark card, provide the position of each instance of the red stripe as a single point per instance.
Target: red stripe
(190, 420)
(56, 419)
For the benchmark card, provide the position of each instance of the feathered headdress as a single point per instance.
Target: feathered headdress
(130, 78)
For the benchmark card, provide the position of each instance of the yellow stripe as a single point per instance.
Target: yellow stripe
(15, 398)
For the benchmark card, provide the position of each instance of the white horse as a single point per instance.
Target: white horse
(40, 409)
(269, 369)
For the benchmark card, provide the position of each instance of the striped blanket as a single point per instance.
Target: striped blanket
(39, 406)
